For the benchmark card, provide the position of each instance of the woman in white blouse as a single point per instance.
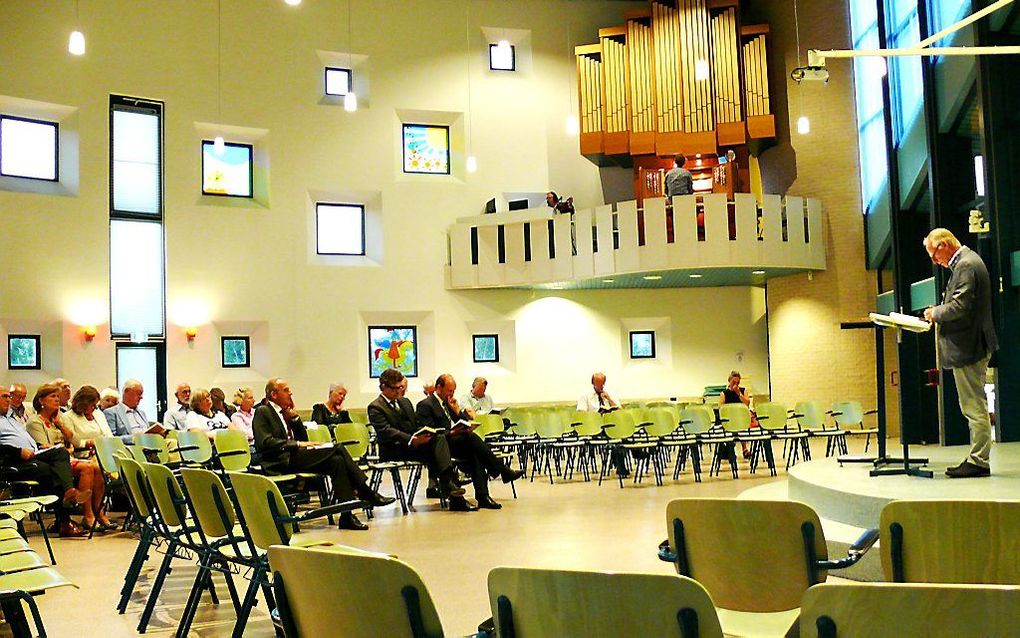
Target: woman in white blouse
(241, 420)
(201, 418)
(85, 421)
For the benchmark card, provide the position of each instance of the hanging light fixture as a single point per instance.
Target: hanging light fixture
(219, 145)
(573, 126)
(701, 70)
(803, 123)
(471, 162)
(76, 43)
(293, 3)
(350, 98)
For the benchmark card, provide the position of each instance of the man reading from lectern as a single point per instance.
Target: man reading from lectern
(966, 340)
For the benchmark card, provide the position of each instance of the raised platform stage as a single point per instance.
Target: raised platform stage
(849, 495)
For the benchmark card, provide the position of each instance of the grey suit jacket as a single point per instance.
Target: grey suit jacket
(120, 425)
(964, 318)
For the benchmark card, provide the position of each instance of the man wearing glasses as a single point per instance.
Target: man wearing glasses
(966, 340)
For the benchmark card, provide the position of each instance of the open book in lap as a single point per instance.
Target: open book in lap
(463, 427)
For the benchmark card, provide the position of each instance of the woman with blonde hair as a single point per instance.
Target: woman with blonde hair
(240, 420)
(202, 418)
(87, 424)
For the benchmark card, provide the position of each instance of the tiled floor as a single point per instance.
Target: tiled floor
(576, 524)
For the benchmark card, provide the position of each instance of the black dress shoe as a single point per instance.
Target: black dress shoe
(451, 489)
(461, 504)
(968, 470)
(349, 521)
(375, 499)
(486, 502)
(509, 476)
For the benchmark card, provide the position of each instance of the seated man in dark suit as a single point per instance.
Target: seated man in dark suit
(441, 411)
(393, 418)
(283, 447)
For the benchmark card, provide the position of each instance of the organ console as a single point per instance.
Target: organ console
(682, 76)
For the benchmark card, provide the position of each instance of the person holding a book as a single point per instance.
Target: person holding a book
(443, 413)
(598, 400)
(126, 417)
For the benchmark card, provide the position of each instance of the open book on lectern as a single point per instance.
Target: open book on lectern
(900, 321)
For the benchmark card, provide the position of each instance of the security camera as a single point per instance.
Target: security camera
(810, 73)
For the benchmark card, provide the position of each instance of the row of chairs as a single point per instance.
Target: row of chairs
(724, 582)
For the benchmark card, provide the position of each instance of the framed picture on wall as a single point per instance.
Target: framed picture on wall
(23, 352)
(642, 344)
(235, 352)
(485, 348)
(426, 149)
(392, 347)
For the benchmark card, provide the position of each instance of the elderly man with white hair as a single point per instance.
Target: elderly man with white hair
(126, 417)
(477, 401)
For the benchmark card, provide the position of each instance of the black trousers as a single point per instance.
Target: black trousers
(435, 456)
(481, 462)
(51, 469)
(336, 463)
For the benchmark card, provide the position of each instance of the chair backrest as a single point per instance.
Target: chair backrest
(524, 422)
(590, 423)
(204, 488)
(697, 419)
(233, 450)
(951, 542)
(735, 417)
(662, 421)
(164, 489)
(368, 594)
(876, 610)
(106, 448)
(622, 422)
(848, 414)
(150, 442)
(489, 424)
(359, 417)
(771, 416)
(354, 437)
(810, 415)
(318, 433)
(194, 447)
(134, 477)
(568, 604)
(550, 425)
(725, 549)
(254, 493)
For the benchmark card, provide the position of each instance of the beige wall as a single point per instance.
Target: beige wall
(811, 357)
(247, 269)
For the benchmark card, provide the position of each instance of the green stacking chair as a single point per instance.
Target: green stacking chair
(810, 416)
(195, 448)
(849, 415)
(774, 419)
(696, 422)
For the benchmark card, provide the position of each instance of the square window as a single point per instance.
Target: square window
(486, 348)
(642, 344)
(28, 148)
(234, 352)
(339, 229)
(426, 149)
(228, 173)
(339, 81)
(23, 352)
(502, 57)
(392, 347)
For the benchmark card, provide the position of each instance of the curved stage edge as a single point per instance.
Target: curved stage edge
(847, 494)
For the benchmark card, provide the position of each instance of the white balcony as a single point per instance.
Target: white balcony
(739, 244)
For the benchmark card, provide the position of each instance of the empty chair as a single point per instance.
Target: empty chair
(367, 594)
(195, 448)
(773, 418)
(876, 610)
(695, 423)
(951, 542)
(849, 415)
(755, 558)
(318, 433)
(530, 603)
(810, 416)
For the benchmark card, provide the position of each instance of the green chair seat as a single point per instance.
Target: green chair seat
(20, 561)
(35, 580)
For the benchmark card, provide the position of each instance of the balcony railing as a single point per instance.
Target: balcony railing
(699, 240)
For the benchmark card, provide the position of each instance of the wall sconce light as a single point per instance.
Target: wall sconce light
(89, 332)
(191, 332)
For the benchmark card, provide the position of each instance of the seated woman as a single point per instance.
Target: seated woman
(733, 393)
(244, 400)
(108, 398)
(202, 418)
(219, 402)
(87, 423)
(48, 430)
(331, 413)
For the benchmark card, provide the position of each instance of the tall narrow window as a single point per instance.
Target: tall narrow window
(28, 148)
(868, 74)
(904, 71)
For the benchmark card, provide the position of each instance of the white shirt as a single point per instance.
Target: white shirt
(196, 421)
(82, 429)
(176, 418)
(590, 402)
(479, 405)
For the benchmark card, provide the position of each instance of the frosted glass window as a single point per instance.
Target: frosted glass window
(905, 80)
(136, 158)
(502, 58)
(868, 73)
(28, 148)
(338, 81)
(339, 229)
(139, 363)
(136, 277)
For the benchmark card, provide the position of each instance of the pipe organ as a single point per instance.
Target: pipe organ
(682, 76)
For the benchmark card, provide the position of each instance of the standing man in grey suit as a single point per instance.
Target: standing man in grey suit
(966, 340)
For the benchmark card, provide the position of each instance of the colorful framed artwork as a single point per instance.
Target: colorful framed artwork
(23, 352)
(427, 149)
(392, 347)
(228, 173)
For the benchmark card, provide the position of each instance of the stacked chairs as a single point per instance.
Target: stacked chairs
(528, 603)
(754, 592)
(811, 418)
(849, 415)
